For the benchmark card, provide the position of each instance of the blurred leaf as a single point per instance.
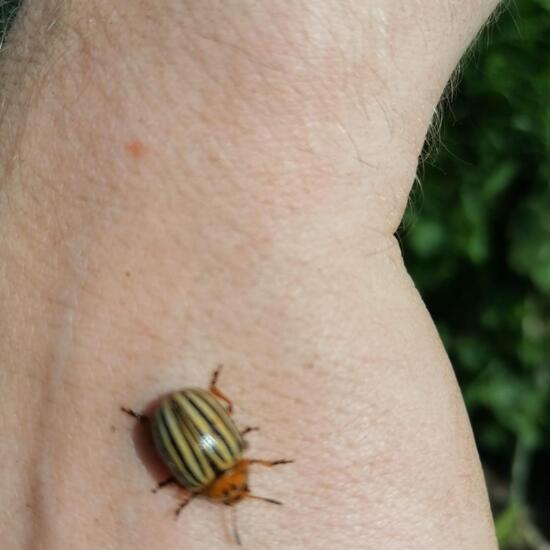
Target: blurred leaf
(529, 252)
(427, 238)
(8, 10)
(508, 527)
(517, 403)
(499, 180)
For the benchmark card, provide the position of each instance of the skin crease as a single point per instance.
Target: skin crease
(219, 182)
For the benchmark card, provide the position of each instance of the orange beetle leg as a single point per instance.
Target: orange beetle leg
(214, 390)
(268, 463)
(270, 500)
(164, 483)
(249, 429)
(189, 498)
(141, 417)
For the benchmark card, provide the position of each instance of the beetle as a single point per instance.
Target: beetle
(195, 436)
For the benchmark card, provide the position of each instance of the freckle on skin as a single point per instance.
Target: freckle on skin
(136, 149)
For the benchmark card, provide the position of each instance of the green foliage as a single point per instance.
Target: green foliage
(529, 255)
(477, 243)
(508, 526)
(8, 9)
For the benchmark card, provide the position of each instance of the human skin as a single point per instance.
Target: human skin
(201, 183)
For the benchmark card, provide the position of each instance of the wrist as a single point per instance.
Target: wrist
(280, 119)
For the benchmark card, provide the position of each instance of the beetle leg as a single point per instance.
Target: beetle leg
(164, 483)
(214, 390)
(249, 429)
(269, 463)
(141, 417)
(270, 500)
(184, 504)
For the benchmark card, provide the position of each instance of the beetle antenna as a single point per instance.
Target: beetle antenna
(234, 525)
(270, 500)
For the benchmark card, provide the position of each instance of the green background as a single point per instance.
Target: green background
(476, 240)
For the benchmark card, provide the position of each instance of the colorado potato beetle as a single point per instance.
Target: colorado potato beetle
(200, 444)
